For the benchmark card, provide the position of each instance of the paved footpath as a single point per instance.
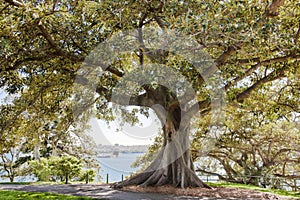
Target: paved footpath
(96, 191)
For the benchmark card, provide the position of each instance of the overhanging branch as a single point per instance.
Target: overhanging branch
(222, 59)
(15, 2)
(221, 177)
(270, 77)
(262, 63)
(121, 99)
(202, 105)
(272, 9)
(53, 44)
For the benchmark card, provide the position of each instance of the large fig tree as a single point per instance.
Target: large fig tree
(45, 44)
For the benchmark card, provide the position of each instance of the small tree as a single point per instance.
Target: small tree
(12, 163)
(41, 169)
(88, 175)
(54, 168)
(66, 167)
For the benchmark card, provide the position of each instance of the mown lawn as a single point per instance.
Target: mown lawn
(16, 183)
(17, 195)
(252, 187)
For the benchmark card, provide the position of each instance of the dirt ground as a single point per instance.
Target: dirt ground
(216, 192)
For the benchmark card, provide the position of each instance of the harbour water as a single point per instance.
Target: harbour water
(115, 167)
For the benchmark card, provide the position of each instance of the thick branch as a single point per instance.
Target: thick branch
(270, 77)
(199, 106)
(159, 22)
(281, 151)
(272, 9)
(245, 94)
(288, 176)
(52, 43)
(297, 35)
(140, 100)
(211, 173)
(226, 155)
(25, 60)
(259, 64)
(122, 99)
(114, 71)
(222, 59)
(293, 107)
(155, 13)
(15, 3)
(229, 170)
(4, 8)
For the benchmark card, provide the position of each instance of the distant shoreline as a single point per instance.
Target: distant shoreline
(105, 150)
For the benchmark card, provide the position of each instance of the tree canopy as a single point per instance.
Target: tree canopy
(253, 45)
(258, 142)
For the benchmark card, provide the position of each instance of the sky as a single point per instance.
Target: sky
(106, 133)
(2, 96)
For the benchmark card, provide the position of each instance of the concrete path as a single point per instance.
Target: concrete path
(94, 191)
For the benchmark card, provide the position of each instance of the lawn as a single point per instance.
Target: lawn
(17, 195)
(252, 187)
(16, 183)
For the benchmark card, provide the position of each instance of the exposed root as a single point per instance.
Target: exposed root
(176, 174)
(172, 166)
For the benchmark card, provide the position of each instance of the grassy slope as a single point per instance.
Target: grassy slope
(251, 187)
(17, 195)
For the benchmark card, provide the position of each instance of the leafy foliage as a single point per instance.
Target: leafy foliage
(258, 140)
(12, 195)
(254, 44)
(62, 168)
(41, 169)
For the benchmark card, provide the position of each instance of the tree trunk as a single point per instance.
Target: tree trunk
(173, 165)
(67, 178)
(87, 178)
(11, 172)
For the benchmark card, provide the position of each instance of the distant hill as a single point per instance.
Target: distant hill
(107, 149)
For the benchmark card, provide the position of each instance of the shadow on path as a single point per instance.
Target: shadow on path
(105, 192)
(94, 191)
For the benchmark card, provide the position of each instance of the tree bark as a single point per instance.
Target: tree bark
(173, 165)
(67, 178)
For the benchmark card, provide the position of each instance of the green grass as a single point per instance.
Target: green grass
(16, 183)
(47, 183)
(31, 183)
(17, 195)
(252, 187)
